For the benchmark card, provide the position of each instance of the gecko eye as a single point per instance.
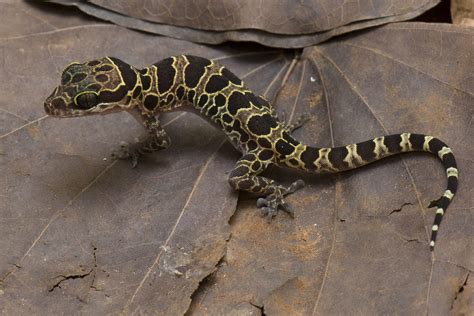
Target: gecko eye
(86, 100)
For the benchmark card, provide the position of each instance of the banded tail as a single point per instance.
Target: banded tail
(332, 160)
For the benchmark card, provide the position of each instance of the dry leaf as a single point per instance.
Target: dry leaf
(285, 24)
(462, 12)
(359, 242)
(83, 234)
(80, 233)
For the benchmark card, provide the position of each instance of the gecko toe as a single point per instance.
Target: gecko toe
(134, 159)
(298, 184)
(268, 213)
(288, 208)
(262, 202)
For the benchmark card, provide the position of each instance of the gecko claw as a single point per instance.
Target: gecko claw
(134, 158)
(268, 213)
(261, 202)
(288, 208)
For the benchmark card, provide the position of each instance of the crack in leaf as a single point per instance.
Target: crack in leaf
(57, 214)
(411, 239)
(260, 307)
(398, 210)
(94, 268)
(204, 284)
(68, 277)
(93, 181)
(183, 211)
(460, 290)
(17, 266)
(221, 261)
(92, 271)
(417, 193)
(355, 90)
(404, 238)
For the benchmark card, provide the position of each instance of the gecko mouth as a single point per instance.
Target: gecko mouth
(50, 109)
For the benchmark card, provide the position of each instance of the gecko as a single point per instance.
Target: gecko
(248, 120)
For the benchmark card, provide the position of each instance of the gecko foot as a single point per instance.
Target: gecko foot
(125, 152)
(270, 205)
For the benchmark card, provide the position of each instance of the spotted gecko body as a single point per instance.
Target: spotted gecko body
(199, 85)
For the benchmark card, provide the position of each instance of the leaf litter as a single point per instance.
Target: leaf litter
(83, 234)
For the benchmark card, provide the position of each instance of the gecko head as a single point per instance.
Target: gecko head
(96, 87)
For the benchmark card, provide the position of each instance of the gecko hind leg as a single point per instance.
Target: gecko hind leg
(300, 121)
(245, 177)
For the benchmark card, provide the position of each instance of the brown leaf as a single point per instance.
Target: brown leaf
(359, 242)
(276, 24)
(51, 18)
(462, 12)
(82, 233)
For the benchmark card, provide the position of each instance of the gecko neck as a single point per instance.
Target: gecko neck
(152, 101)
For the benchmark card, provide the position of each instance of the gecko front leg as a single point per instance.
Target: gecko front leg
(157, 140)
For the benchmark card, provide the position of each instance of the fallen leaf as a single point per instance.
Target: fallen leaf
(359, 240)
(94, 236)
(462, 12)
(285, 24)
(82, 232)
